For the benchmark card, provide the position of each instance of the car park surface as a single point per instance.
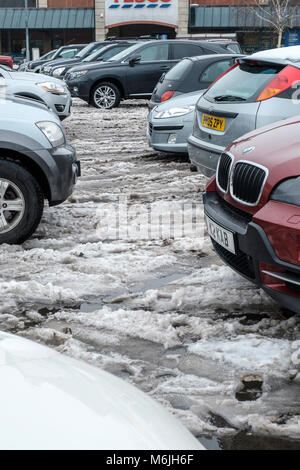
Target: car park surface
(49, 91)
(255, 93)
(163, 313)
(132, 73)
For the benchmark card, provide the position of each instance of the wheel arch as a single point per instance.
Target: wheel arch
(28, 163)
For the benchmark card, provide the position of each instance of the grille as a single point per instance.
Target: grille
(239, 261)
(150, 128)
(247, 182)
(223, 171)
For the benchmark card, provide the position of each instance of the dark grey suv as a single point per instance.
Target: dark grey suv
(134, 72)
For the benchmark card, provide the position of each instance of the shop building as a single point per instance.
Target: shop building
(53, 23)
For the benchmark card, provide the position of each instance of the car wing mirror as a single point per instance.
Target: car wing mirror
(134, 60)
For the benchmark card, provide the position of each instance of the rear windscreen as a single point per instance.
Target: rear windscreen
(243, 82)
(179, 70)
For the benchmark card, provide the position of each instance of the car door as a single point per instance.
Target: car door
(143, 76)
(213, 71)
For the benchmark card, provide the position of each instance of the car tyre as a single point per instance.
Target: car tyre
(20, 192)
(105, 95)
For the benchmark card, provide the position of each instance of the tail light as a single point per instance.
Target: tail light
(283, 81)
(167, 95)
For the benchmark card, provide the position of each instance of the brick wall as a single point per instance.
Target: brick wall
(71, 3)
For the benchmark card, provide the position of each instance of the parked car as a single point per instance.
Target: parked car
(252, 209)
(53, 402)
(171, 122)
(80, 55)
(25, 65)
(100, 55)
(6, 60)
(50, 91)
(132, 73)
(64, 52)
(256, 91)
(35, 164)
(191, 74)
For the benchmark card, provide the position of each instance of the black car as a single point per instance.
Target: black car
(82, 54)
(191, 74)
(64, 52)
(100, 55)
(133, 73)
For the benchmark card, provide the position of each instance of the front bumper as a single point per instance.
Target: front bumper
(61, 105)
(80, 88)
(252, 249)
(204, 156)
(65, 173)
(160, 131)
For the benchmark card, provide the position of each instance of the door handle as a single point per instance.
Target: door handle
(165, 67)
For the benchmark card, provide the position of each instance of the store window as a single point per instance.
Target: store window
(17, 3)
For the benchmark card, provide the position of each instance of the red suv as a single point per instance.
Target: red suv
(252, 209)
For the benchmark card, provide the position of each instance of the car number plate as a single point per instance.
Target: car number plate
(213, 122)
(220, 235)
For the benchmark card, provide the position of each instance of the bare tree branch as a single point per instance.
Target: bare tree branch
(279, 13)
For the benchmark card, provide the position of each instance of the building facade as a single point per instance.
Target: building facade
(53, 23)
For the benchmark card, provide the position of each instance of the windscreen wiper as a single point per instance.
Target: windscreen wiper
(229, 98)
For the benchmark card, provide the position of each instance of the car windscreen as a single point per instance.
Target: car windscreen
(125, 53)
(49, 55)
(179, 70)
(89, 49)
(243, 82)
(95, 54)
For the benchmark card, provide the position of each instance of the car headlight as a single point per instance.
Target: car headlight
(80, 73)
(57, 72)
(54, 88)
(52, 131)
(288, 191)
(174, 112)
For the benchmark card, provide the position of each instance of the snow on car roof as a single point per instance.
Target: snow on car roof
(283, 53)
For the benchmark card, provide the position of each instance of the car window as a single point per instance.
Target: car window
(68, 54)
(234, 48)
(89, 49)
(179, 70)
(130, 52)
(213, 71)
(155, 52)
(243, 82)
(186, 50)
(111, 52)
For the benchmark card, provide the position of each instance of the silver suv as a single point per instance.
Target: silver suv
(35, 164)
